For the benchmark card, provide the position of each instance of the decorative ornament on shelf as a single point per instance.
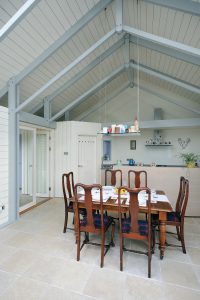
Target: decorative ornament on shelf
(183, 143)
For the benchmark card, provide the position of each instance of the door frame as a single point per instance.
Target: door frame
(24, 207)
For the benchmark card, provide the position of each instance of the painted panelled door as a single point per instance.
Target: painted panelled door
(87, 159)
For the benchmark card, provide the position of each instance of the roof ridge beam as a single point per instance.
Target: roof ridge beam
(87, 94)
(65, 70)
(17, 17)
(163, 41)
(186, 6)
(165, 77)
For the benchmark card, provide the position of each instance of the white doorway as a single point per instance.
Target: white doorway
(33, 166)
(27, 167)
(87, 159)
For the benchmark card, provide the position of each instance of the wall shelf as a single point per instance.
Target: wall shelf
(158, 145)
(120, 134)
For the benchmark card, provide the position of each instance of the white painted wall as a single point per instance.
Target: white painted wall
(3, 164)
(160, 155)
(66, 150)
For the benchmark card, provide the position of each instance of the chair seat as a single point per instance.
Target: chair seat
(173, 216)
(142, 226)
(97, 221)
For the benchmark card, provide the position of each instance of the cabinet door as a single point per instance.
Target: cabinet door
(87, 159)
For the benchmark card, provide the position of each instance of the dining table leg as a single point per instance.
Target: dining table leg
(162, 230)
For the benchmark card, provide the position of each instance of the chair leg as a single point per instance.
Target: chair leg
(121, 253)
(149, 257)
(182, 238)
(153, 241)
(65, 222)
(78, 245)
(112, 235)
(178, 233)
(102, 249)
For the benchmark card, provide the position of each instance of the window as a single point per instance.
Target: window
(107, 150)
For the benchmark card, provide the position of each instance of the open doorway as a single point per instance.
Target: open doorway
(34, 167)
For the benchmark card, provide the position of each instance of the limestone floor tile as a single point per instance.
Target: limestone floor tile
(19, 239)
(89, 254)
(53, 293)
(137, 288)
(174, 292)
(73, 275)
(192, 240)
(197, 271)
(194, 228)
(194, 254)
(7, 233)
(32, 226)
(46, 269)
(6, 251)
(176, 253)
(6, 280)
(20, 261)
(137, 264)
(105, 284)
(179, 273)
(23, 289)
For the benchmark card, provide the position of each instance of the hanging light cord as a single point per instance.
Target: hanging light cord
(138, 68)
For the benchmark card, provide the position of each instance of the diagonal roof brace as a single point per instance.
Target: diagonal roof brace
(163, 41)
(165, 50)
(89, 92)
(66, 70)
(83, 72)
(187, 6)
(168, 78)
(165, 98)
(17, 17)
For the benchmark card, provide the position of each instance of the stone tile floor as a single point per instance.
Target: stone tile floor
(38, 261)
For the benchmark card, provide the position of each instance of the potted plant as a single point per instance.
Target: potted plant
(189, 159)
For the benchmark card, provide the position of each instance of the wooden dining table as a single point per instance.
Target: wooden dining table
(159, 208)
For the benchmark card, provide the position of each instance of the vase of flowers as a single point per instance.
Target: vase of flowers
(189, 159)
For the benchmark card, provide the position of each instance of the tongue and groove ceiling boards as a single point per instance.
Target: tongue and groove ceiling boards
(78, 55)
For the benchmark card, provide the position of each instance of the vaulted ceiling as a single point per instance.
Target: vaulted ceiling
(69, 52)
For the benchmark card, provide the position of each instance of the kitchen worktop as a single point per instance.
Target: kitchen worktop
(167, 178)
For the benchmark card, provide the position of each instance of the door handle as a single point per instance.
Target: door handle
(80, 166)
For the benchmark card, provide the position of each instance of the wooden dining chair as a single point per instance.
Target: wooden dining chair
(132, 227)
(176, 217)
(68, 192)
(112, 177)
(137, 179)
(92, 222)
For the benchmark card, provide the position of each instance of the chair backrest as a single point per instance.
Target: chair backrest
(180, 194)
(88, 204)
(68, 186)
(137, 179)
(134, 210)
(113, 177)
(184, 198)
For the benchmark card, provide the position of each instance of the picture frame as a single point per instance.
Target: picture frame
(132, 144)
